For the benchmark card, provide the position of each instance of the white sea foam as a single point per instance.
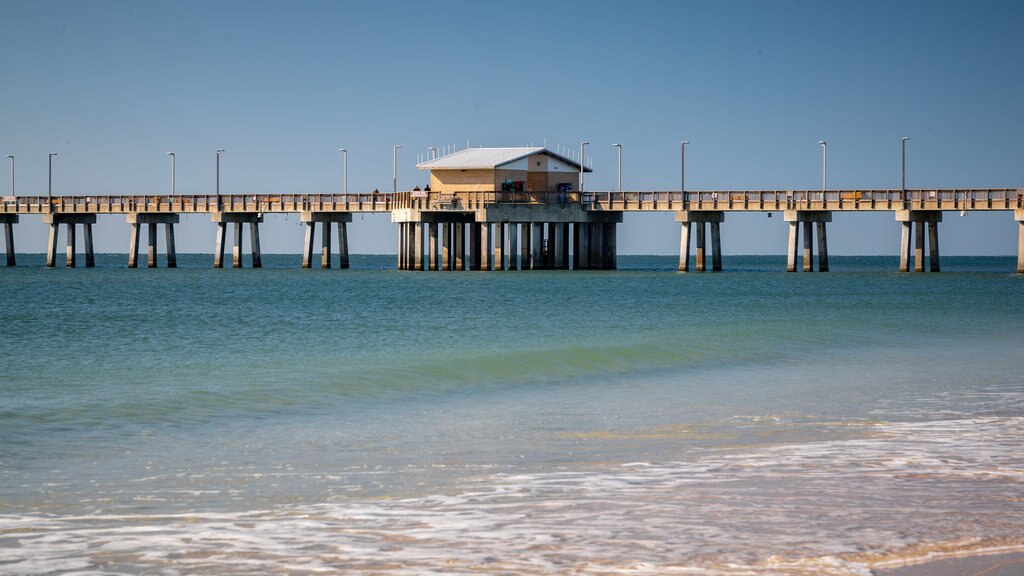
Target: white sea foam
(833, 507)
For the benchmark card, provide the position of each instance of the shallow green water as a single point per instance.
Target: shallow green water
(397, 422)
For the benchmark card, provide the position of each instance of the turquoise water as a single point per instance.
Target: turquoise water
(641, 420)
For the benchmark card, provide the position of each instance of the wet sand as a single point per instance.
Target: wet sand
(1009, 564)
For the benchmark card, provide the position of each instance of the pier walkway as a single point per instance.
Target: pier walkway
(514, 230)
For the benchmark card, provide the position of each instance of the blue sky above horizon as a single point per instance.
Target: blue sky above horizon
(112, 86)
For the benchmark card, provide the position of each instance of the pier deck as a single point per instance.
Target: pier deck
(485, 230)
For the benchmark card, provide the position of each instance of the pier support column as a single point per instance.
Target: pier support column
(218, 252)
(310, 219)
(343, 260)
(566, 243)
(608, 251)
(499, 245)
(808, 218)
(1018, 215)
(150, 220)
(432, 245)
(254, 244)
(51, 246)
(716, 247)
(172, 254)
(325, 246)
(90, 256)
(417, 246)
(596, 245)
(474, 246)
(700, 247)
(583, 246)
(917, 219)
(822, 248)
(9, 220)
(222, 219)
(403, 245)
(684, 247)
(486, 247)
(151, 252)
(537, 246)
(513, 246)
(446, 246)
(55, 221)
(559, 240)
(791, 247)
(460, 246)
(71, 245)
(525, 232)
(693, 223)
(919, 247)
(905, 246)
(808, 246)
(236, 250)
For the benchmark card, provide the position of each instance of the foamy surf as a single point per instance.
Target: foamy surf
(910, 492)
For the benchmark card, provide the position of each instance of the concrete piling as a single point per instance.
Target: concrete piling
(693, 223)
(808, 246)
(684, 247)
(9, 220)
(151, 252)
(55, 221)
(808, 218)
(70, 263)
(222, 219)
(917, 220)
(1018, 215)
(343, 259)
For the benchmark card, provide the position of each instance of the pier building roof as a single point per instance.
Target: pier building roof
(491, 158)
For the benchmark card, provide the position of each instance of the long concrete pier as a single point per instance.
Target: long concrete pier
(513, 230)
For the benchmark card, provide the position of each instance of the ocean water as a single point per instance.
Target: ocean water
(639, 421)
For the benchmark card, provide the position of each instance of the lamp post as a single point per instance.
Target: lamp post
(344, 170)
(219, 151)
(49, 188)
(903, 169)
(394, 168)
(582, 165)
(824, 147)
(11, 156)
(171, 154)
(619, 146)
(682, 168)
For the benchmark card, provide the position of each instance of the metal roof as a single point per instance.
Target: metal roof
(489, 158)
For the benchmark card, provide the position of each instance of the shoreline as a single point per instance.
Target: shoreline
(983, 563)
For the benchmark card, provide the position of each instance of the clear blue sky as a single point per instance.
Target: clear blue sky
(112, 86)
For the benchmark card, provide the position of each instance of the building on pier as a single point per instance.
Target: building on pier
(520, 169)
(504, 209)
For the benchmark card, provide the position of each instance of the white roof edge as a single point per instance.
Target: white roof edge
(490, 158)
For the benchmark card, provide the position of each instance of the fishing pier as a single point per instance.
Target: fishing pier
(513, 230)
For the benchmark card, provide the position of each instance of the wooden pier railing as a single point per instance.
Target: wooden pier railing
(630, 201)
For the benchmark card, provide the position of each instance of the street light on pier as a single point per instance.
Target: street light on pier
(682, 168)
(903, 169)
(619, 146)
(11, 156)
(824, 148)
(171, 154)
(394, 168)
(582, 166)
(219, 151)
(344, 170)
(49, 187)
